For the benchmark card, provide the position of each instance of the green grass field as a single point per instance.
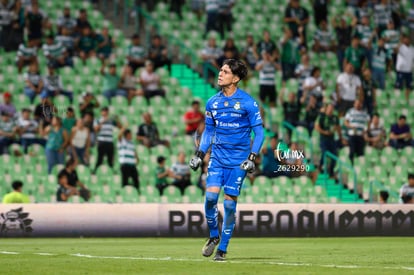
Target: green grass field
(183, 256)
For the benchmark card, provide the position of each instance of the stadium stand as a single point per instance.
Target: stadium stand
(376, 170)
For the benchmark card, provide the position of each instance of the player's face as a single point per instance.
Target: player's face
(226, 77)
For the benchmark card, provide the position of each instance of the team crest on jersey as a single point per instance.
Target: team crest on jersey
(237, 106)
(226, 104)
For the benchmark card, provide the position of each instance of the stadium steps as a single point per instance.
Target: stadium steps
(191, 79)
(333, 189)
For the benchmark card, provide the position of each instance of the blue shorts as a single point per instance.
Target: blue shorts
(231, 179)
(404, 80)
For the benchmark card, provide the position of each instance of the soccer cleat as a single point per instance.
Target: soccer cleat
(210, 245)
(220, 256)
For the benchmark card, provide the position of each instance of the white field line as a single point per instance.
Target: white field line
(228, 261)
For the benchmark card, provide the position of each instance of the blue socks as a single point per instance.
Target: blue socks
(211, 211)
(228, 223)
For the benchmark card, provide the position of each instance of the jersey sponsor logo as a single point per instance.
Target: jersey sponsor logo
(230, 125)
(237, 106)
(215, 104)
(235, 115)
(258, 116)
(226, 104)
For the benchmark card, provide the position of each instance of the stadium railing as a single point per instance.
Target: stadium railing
(344, 171)
(375, 186)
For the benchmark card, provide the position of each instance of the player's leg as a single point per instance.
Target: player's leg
(233, 182)
(213, 186)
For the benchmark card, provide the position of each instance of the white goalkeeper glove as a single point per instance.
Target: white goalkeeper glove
(248, 164)
(196, 160)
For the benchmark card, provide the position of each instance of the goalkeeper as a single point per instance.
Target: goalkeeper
(230, 117)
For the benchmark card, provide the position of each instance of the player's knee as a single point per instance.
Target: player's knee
(229, 206)
(211, 199)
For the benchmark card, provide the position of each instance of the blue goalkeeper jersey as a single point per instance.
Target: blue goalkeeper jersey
(233, 119)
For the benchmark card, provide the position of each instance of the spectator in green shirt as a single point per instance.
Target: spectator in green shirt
(161, 175)
(70, 120)
(16, 196)
(87, 44)
(112, 83)
(354, 55)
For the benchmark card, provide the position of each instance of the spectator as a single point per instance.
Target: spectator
(270, 163)
(320, 11)
(7, 106)
(290, 53)
(192, 118)
(327, 125)
(34, 82)
(69, 121)
(381, 61)
(112, 83)
(229, 45)
(392, 39)
(291, 109)
(104, 127)
(362, 9)
(311, 113)
(211, 9)
(383, 196)
(136, 54)
(56, 54)
(53, 85)
(400, 134)
(17, 195)
(105, 45)
(88, 120)
(67, 41)
(376, 135)
(210, 55)
(268, 45)
(57, 142)
(13, 26)
(36, 21)
(158, 54)
(150, 82)
(161, 175)
(45, 110)
(225, 16)
(8, 131)
(303, 71)
(88, 104)
(148, 134)
(267, 67)
(324, 39)
(407, 190)
(28, 129)
(128, 158)
(249, 52)
(129, 82)
(398, 14)
(357, 121)
(26, 54)
(368, 91)
(180, 171)
(354, 55)
(404, 67)
(69, 183)
(313, 86)
(66, 21)
(348, 89)
(366, 35)
(81, 141)
(87, 45)
(382, 15)
(296, 16)
(343, 37)
(82, 22)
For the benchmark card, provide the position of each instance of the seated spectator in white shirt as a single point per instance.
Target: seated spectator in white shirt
(150, 82)
(53, 85)
(28, 129)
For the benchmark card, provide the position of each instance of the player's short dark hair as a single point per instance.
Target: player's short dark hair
(17, 184)
(410, 176)
(237, 67)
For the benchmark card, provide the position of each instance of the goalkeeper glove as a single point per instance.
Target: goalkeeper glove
(196, 160)
(248, 164)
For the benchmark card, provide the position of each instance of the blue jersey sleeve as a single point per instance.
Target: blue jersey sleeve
(256, 123)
